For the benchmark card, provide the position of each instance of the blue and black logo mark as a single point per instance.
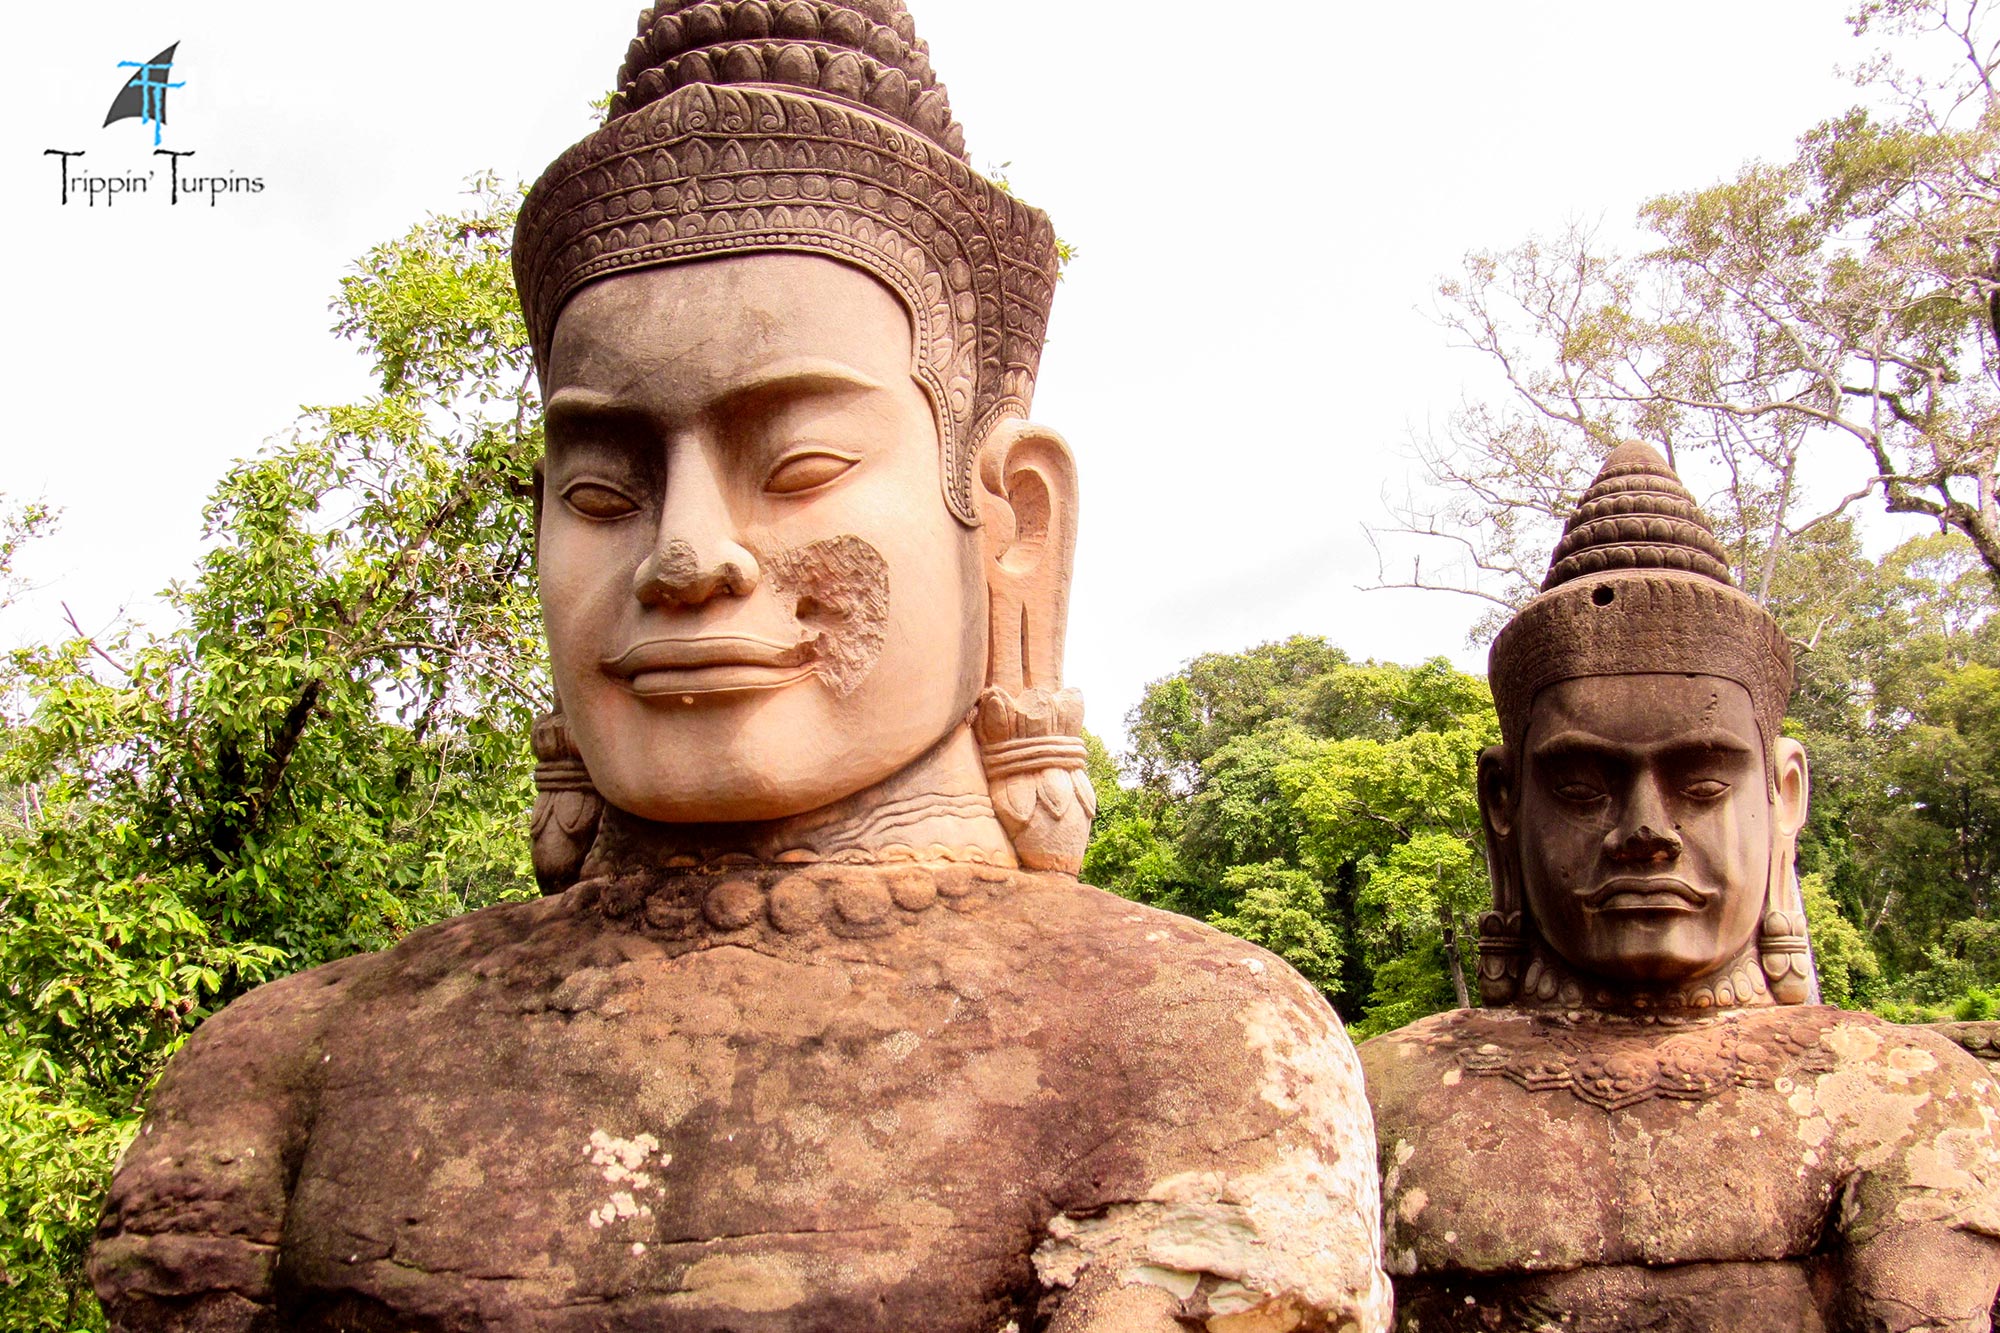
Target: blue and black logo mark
(144, 96)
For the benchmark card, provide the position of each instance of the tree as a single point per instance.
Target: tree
(1315, 805)
(325, 748)
(1892, 707)
(1820, 328)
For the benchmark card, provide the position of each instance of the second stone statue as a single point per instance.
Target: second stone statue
(816, 1029)
(1653, 1125)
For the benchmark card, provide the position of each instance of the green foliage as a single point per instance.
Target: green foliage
(1315, 805)
(324, 749)
(1129, 853)
(1849, 971)
(1284, 910)
(1897, 707)
(1975, 1006)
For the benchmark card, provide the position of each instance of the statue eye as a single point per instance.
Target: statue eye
(802, 472)
(592, 500)
(1705, 789)
(1578, 791)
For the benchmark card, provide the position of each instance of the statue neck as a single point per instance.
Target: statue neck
(935, 809)
(1547, 982)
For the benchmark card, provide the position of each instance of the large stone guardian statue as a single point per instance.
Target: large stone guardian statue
(1653, 1124)
(816, 1030)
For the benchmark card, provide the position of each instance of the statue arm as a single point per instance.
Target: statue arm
(1922, 1228)
(1925, 1276)
(189, 1237)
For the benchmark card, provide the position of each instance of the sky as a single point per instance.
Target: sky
(1263, 197)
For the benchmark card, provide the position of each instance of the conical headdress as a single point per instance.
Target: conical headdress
(1639, 584)
(804, 125)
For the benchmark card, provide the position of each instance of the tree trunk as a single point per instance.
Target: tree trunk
(1450, 921)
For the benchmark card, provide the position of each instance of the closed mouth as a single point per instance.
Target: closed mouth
(710, 664)
(1648, 893)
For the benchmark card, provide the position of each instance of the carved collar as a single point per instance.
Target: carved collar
(1615, 1061)
(1547, 983)
(743, 902)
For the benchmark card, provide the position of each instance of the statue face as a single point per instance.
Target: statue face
(757, 601)
(1645, 824)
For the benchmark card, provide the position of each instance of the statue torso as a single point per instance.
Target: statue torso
(851, 1098)
(1563, 1168)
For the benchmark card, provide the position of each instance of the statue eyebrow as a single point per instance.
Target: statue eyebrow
(1589, 745)
(807, 375)
(576, 404)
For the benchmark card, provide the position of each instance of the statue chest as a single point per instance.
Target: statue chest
(722, 1141)
(1511, 1145)
(1518, 1180)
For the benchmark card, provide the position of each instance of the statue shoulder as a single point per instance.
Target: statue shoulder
(1896, 1057)
(1406, 1067)
(1195, 973)
(1244, 1122)
(197, 1205)
(1909, 1113)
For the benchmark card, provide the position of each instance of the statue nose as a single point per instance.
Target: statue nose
(1645, 843)
(1643, 831)
(696, 554)
(676, 574)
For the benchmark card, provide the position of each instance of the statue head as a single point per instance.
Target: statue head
(1642, 809)
(797, 537)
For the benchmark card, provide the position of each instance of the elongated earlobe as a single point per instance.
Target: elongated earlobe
(1029, 726)
(1500, 931)
(1784, 941)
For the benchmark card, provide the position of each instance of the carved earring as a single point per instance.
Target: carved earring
(1783, 943)
(1028, 726)
(567, 806)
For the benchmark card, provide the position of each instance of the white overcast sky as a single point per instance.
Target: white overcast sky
(1264, 195)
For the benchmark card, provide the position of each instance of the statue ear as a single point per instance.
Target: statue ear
(1027, 508)
(1030, 729)
(1496, 793)
(1785, 939)
(1792, 787)
(1501, 945)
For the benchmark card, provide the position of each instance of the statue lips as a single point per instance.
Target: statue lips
(710, 665)
(1647, 893)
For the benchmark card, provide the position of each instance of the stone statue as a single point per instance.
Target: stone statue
(1653, 1124)
(815, 1029)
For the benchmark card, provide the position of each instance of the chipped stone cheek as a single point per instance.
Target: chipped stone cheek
(619, 1161)
(1280, 1249)
(841, 587)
